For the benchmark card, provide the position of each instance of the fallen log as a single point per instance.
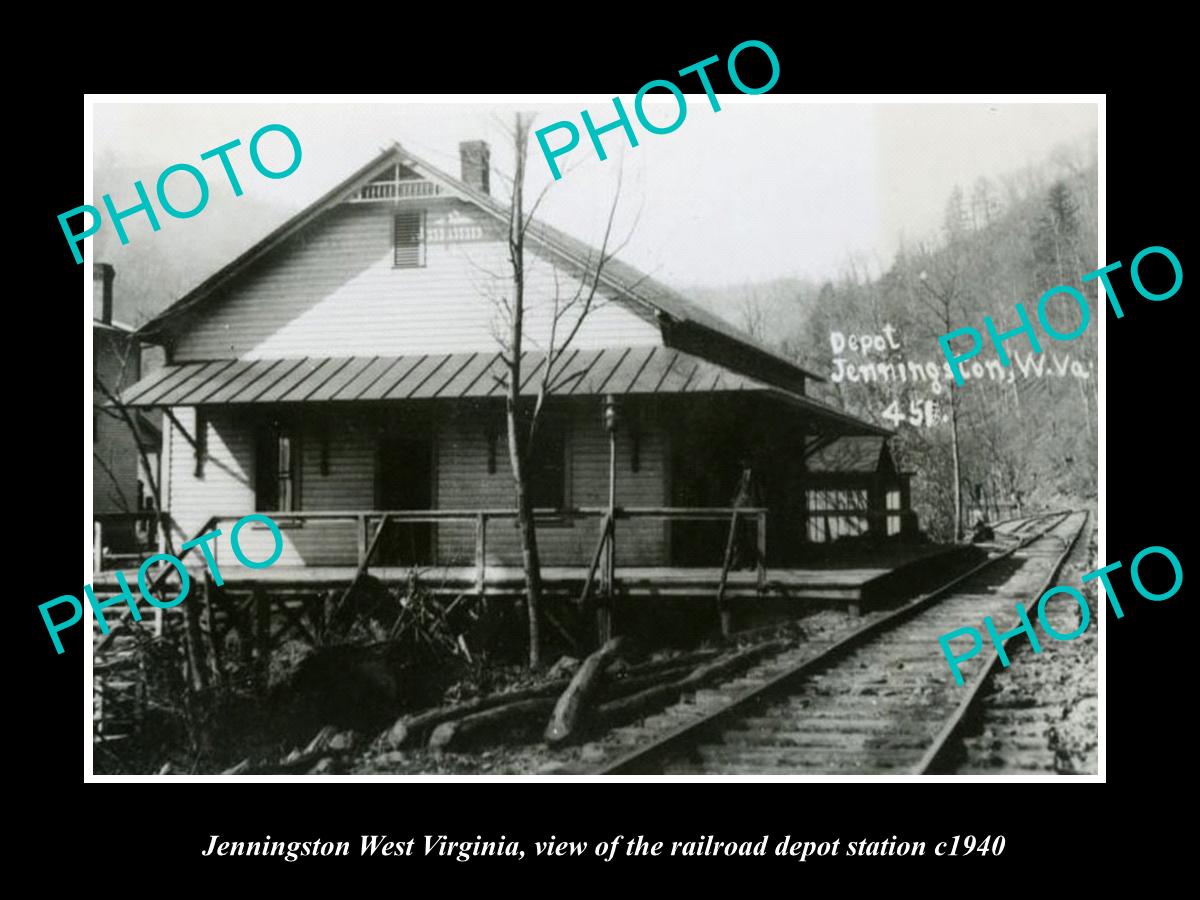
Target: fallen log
(611, 687)
(412, 730)
(727, 665)
(693, 658)
(575, 699)
(520, 719)
(617, 712)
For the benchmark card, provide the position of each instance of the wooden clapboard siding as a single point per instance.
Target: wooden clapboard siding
(333, 290)
(349, 484)
(226, 488)
(226, 485)
(464, 482)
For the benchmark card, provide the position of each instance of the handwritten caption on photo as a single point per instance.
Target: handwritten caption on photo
(881, 358)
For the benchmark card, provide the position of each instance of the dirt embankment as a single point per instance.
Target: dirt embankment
(1040, 713)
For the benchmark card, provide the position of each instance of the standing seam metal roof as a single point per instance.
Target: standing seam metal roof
(614, 370)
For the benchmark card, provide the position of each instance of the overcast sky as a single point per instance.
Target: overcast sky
(768, 187)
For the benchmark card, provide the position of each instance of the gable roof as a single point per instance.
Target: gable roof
(685, 324)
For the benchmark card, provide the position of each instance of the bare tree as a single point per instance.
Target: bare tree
(570, 308)
(754, 317)
(940, 294)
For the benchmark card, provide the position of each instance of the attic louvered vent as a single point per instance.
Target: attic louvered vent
(408, 239)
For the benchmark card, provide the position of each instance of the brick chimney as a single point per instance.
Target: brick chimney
(475, 158)
(102, 296)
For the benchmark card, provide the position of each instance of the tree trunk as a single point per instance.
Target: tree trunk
(518, 449)
(530, 559)
(955, 467)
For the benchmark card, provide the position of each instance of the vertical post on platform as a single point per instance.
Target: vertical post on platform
(762, 550)
(261, 601)
(480, 551)
(212, 645)
(604, 613)
(193, 646)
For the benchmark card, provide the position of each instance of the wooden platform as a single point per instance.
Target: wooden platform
(856, 578)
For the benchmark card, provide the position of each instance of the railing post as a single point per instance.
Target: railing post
(362, 540)
(97, 548)
(762, 550)
(261, 606)
(480, 550)
(723, 610)
(604, 609)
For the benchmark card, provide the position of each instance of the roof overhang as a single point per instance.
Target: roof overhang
(624, 371)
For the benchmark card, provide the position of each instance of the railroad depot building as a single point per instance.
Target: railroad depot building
(348, 365)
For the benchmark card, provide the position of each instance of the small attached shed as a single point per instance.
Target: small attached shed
(854, 490)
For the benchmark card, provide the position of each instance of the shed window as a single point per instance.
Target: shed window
(277, 468)
(408, 239)
(827, 518)
(893, 503)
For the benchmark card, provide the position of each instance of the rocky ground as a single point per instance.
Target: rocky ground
(534, 758)
(1040, 714)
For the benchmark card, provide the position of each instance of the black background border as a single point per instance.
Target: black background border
(1148, 433)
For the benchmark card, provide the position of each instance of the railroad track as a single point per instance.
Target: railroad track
(881, 700)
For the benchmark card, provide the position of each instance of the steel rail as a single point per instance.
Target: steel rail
(673, 742)
(944, 744)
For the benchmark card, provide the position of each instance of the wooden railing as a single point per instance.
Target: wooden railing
(105, 524)
(369, 524)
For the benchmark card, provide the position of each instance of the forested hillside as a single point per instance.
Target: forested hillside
(1025, 435)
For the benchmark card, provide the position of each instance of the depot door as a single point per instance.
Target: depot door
(404, 482)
